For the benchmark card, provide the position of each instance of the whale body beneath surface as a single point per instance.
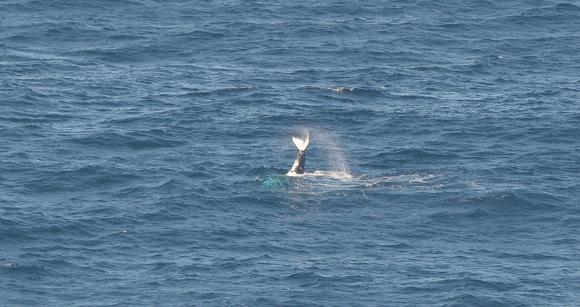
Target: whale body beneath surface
(302, 145)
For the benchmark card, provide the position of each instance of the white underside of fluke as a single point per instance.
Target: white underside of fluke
(301, 144)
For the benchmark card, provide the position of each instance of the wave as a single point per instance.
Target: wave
(416, 155)
(532, 256)
(198, 35)
(549, 16)
(34, 271)
(31, 34)
(514, 201)
(479, 300)
(349, 90)
(314, 279)
(454, 217)
(53, 179)
(559, 9)
(43, 6)
(463, 283)
(130, 53)
(14, 230)
(136, 140)
(318, 30)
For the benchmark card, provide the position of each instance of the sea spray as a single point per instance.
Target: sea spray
(333, 154)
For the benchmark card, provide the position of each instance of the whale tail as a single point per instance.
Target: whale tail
(302, 144)
(298, 166)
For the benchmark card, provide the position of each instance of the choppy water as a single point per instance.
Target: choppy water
(143, 147)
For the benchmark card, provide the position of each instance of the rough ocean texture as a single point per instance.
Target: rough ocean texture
(143, 147)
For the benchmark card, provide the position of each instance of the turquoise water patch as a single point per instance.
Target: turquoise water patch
(275, 182)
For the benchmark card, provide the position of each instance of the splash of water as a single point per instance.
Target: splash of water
(335, 157)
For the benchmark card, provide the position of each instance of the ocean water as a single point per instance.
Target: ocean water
(144, 146)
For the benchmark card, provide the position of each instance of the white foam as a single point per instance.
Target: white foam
(331, 174)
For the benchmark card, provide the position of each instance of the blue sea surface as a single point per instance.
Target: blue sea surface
(144, 146)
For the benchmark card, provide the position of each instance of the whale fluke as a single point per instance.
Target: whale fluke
(302, 145)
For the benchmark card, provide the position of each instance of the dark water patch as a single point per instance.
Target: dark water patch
(78, 178)
(77, 229)
(136, 140)
(411, 155)
(199, 172)
(13, 230)
(272, 248)
(444, 70)
(383, 246)
(6, 223)
(550, 16)
(237, 233)
(264, 170)
(514, 201)
(555, 10)
(567, 241)
(316, 280)
(233, 91)
(198, 35)
(460, 216)
(240, 264)
(26, 271)
(133, 53)
(480, 300)
(483, 65)
(571, 219)
(468, 283)
(34, 117)
(306, 278)
(535, 257)
(164, 215)
(317, 31)
(68, 5)
(458, 27)
(67, 31)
